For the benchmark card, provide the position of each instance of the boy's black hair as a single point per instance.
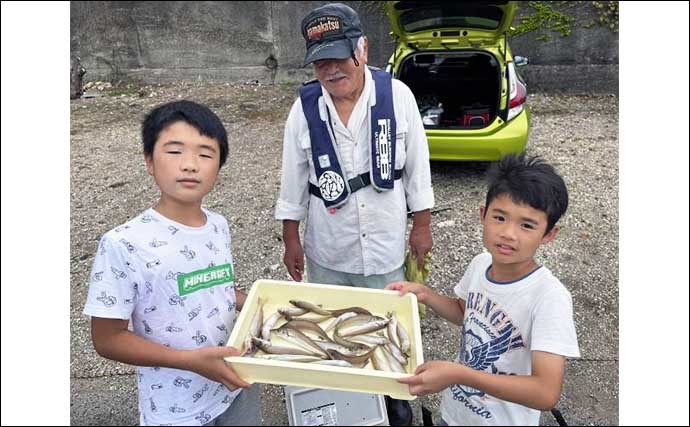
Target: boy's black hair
(197, 115)
(531, 181)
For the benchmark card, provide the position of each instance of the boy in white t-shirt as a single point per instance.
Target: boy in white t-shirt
(162, 293)
(517, 317)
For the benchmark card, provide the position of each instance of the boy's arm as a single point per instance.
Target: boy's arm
(451, 309)
(113, 340)
(240, 298)
(541, 390)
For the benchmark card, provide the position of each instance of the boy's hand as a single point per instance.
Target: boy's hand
(209, 363)
(418, 289)
(431, 377)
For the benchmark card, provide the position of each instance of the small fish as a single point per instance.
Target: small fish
(358, 310)
(309, 317)
(359, 359)
(342, 317)
(327, 345)
(342, 363)
(311, 307)
(270, 348)
(361, 324)
(288, 357)
(268, 325)
(392, 361)
(255, 326)
(370, 339)
(404, 339)
(303, 326)
(394, 350)
(355, 346)
(393, 329)
(254, 329)
(349, 337)
(292, 311)
(297, 337)
(328, 324)
(379, 360)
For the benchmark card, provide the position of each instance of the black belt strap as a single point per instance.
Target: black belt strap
(356, 183)
(559, 417)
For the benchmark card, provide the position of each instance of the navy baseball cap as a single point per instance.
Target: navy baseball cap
(331, 32)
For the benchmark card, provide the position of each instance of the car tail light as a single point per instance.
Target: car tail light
(518, 92)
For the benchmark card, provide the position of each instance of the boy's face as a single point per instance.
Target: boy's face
(184, 163)
(513, 232)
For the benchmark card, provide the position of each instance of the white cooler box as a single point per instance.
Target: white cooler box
(324, 407)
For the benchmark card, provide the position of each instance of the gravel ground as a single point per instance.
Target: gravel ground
(109, 185)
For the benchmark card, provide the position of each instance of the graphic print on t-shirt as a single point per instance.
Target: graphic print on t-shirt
(489, 333)
(205, 278)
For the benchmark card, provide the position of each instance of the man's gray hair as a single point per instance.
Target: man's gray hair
(360, 46)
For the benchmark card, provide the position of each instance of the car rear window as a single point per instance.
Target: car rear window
(451, 15)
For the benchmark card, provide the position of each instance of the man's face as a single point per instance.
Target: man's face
(340, 77)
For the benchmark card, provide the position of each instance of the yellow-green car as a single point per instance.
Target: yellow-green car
(455, 58)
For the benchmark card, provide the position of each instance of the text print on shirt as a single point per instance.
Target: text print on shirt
(206, 278)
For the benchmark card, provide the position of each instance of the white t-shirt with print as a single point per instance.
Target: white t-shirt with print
(175, 283)
(504, 323)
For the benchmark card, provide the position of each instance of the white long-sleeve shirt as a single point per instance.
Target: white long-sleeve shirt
(367, 234)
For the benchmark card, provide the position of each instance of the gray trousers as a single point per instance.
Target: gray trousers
(319, 274)
(245, 410)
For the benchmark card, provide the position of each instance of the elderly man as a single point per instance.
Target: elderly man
(355, 158)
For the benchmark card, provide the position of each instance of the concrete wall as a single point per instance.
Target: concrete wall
(261, 41)
(586, 60)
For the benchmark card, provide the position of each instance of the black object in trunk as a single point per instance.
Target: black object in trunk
(454, 89)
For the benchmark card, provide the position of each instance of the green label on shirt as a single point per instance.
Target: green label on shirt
(206, 278)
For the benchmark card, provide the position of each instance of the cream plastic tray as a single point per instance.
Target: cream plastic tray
(276, 293)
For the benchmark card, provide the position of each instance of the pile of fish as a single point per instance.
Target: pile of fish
(348, 337)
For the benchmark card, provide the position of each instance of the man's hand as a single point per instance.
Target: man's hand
(294, 254)
(420, 239)
(209, 363)
(294, 260)
(432, 377)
